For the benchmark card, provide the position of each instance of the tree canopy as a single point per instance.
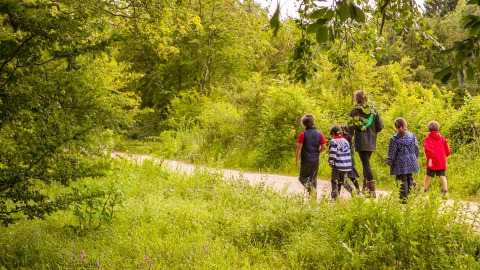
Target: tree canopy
(346, 25)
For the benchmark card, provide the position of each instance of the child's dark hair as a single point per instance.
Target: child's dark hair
(401, 126)
(346, 133)
(336, 131)
(308, 120)
(433, 126)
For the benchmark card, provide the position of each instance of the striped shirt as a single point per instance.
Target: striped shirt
(339, 154)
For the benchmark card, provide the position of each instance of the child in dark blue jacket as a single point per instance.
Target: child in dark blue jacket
(403, 157)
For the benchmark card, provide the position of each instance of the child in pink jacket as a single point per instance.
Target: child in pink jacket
(436, 150)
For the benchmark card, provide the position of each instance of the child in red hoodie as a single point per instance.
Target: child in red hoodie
(436, 151)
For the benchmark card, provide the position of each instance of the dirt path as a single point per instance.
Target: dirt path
(281, 183)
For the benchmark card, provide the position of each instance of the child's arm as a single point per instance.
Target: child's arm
(417, 152)
(323, 148)
(332, 153)
(323, 144)
(392, 151)
(446, 147)
(428, 147)
(299, 151)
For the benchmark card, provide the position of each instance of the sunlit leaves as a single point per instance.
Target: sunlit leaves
(59, 94)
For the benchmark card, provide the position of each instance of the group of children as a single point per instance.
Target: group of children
(402, 157)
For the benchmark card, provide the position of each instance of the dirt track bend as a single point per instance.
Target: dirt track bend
(289, 184)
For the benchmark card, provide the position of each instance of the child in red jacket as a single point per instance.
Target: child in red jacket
(436, 151)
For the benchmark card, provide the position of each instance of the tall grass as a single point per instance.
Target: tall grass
(202, 221)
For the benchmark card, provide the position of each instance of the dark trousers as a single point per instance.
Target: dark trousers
(338, 180)
(365, 159)
(406, 184)
(308, 175)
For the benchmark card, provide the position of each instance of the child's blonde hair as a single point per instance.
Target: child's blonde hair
(433, 126)
(308, 120)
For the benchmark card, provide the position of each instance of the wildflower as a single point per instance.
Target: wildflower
(150, 261)
(83, 256)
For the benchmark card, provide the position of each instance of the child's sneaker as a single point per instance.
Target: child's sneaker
(445, 195)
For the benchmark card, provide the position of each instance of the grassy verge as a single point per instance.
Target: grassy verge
(172, 221)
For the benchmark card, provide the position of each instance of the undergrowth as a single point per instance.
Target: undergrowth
(168, 220)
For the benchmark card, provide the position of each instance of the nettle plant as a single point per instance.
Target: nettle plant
(96, 206)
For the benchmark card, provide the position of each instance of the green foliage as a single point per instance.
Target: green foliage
(95, 206)
(175, 221)
(280, 113)
(221, 122)
(465, 126)
(440, 7)
(58, 96)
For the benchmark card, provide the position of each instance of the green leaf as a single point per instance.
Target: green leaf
(439, 75)
(360, 15)
(319, 13)
(447, 51)
(459, 57)
(343, 12)
(470, 73)
(352, 11)
(475, 29)
(313, 28)
(322, 35)
(454, 83)
(467, 21)
(458, 45)
(477, 64)
(447, 78)
(329, 14)
(274, 21)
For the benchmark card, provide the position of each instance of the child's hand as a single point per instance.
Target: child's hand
(388, 166)
(430, 163)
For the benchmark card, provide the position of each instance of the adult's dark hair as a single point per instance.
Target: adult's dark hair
(401, 125)
(346, 133)
(336, 130)
(361, 96)
(308, 120)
